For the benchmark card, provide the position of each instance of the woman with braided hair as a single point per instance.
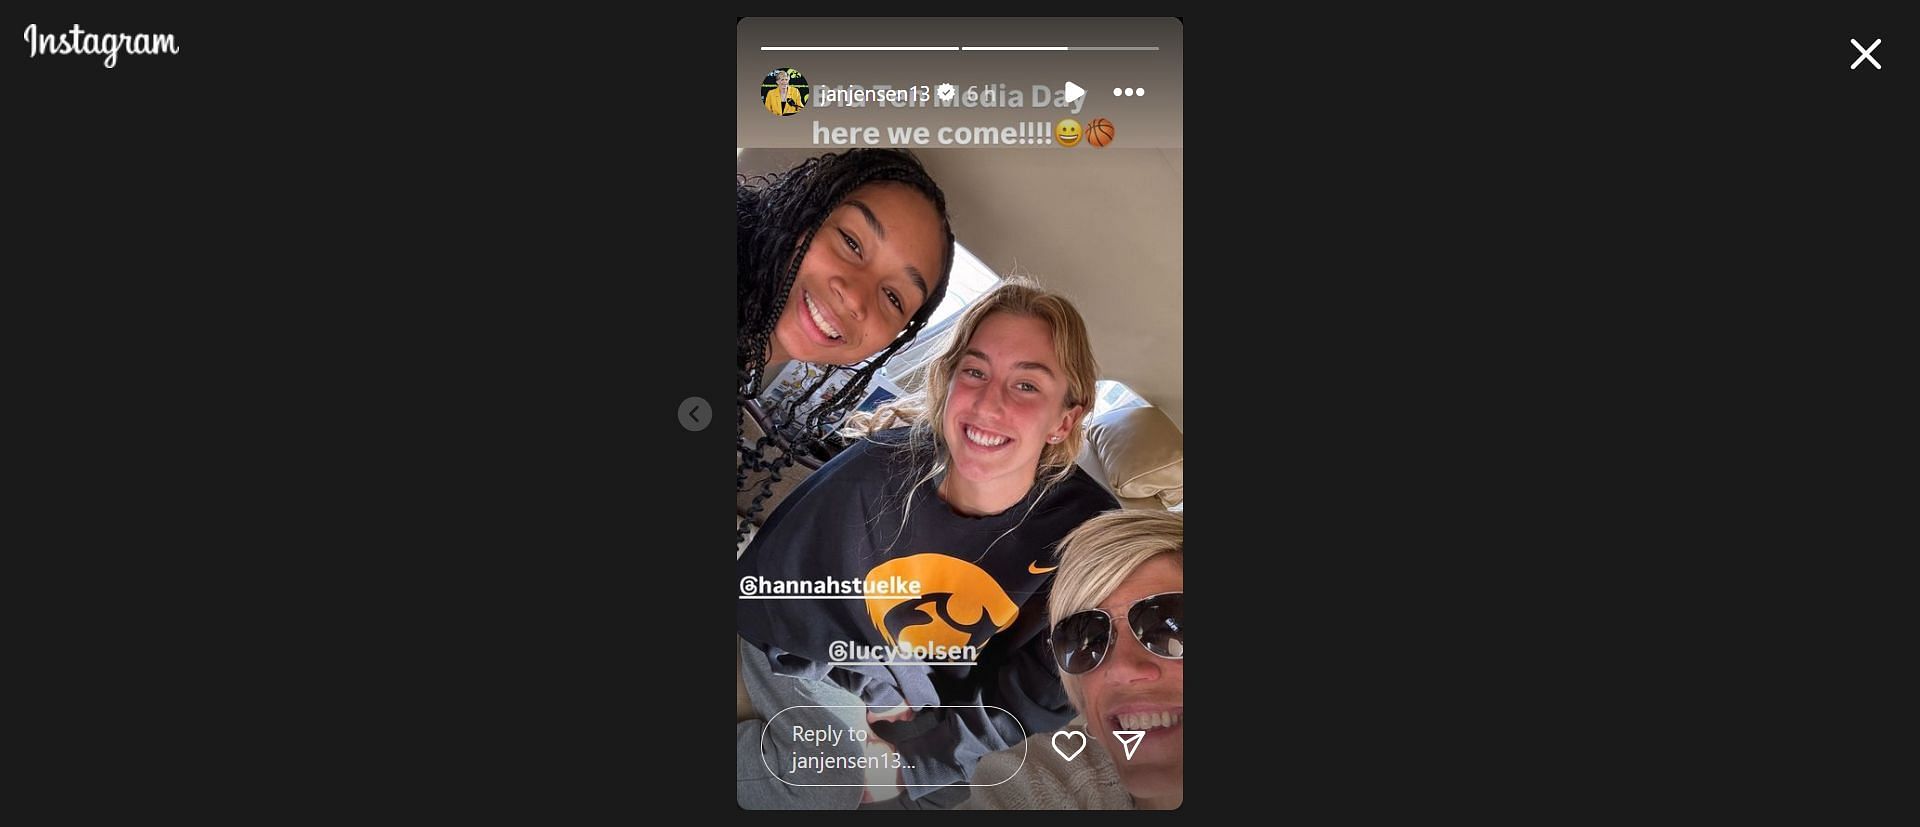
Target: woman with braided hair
(841, 260)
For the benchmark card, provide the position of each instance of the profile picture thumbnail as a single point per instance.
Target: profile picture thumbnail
(785, 91)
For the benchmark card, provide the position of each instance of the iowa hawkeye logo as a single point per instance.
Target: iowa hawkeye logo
(959, 604)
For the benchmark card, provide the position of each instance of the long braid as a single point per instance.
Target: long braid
(753, 358)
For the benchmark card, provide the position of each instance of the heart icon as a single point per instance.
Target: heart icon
(1070, 736)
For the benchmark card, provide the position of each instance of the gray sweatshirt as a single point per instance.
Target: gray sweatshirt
(1049, 782)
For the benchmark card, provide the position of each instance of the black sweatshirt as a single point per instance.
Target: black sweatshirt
(982, 581)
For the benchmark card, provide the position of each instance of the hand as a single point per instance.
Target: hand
(898, 713)
(884, 783)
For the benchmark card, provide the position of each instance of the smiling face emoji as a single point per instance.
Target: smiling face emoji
(1067, 132)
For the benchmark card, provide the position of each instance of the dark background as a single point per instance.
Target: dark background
(346, 347)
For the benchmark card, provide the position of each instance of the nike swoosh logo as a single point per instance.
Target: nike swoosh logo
(1034, 568)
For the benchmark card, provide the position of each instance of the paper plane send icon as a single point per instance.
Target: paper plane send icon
(1130, 739)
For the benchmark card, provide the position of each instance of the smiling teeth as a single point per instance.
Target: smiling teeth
(984, 440)
(820, 319)
(1148, 720)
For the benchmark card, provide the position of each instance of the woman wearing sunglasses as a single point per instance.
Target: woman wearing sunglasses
(1119, 639)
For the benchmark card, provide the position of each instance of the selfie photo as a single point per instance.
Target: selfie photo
(960, 494)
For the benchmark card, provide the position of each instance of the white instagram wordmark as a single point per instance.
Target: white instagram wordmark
(1866, 54)
(79, 41)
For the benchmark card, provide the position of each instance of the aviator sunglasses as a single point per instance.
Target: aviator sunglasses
(1081, 641)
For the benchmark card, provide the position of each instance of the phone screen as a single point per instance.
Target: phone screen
(959, 501)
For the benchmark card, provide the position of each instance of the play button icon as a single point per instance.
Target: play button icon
(1074, 92)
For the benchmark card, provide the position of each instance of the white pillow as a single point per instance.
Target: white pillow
(1142, 452)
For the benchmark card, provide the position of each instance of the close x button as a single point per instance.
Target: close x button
(1866, 53)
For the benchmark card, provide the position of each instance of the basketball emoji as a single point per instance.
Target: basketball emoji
(1099, 131)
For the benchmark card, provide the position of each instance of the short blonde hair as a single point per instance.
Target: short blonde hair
(1096, 557)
